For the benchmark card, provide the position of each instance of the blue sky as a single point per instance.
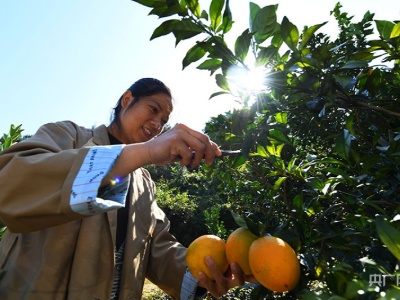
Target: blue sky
(73, 59)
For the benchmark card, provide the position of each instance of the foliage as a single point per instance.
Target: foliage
(12, 137)
(190, 198)
(214, 224)
(179, 207)
(320, 140)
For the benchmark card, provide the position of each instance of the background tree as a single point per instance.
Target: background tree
(320, 139)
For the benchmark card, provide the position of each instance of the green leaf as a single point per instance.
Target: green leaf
(194, 7)
(210, 64)
(221, 50)
(222, 82)
(227, 21)
(396, 31)
(279, 136)
(298, 202)
(264, 23)
(281, 117)
(265, 55)
(168, 10)
(242, 45)
(315, 183)
(390, 236)
(250, 225)
(290, 34)
(364, 55)
(378, 45)
(218, 94)
(164, 29)
(215, 13)
(195, 53)
(254, 229)
(355, 64)
(277, 42)
(239, 161)
(274, 149)
(254, 9)
(262, 151)
(278, 163)
(342, 144)
(204, 15)
(384, 28)
(12, 137)
(185, 29)
(238, 220)
(246, 223)
(278, 183)
(308, 34)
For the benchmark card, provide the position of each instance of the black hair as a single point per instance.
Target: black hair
(141, 88)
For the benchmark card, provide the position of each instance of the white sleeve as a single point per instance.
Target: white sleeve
(190, 290)
(85, 198)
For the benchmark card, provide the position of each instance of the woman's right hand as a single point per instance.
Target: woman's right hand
(182, 144)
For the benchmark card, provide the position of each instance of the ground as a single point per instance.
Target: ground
(151, 291)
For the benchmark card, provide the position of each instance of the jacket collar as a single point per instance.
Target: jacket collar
(100, 135)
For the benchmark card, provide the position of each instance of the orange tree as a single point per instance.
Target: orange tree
(320, 140)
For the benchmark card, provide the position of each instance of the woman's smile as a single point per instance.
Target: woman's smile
(147, 132)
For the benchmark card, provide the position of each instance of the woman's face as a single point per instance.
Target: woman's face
(144, 119)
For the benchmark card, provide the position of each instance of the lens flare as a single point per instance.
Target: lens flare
(250, 81)
(115, 181)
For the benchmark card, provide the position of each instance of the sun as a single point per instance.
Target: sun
(248, 81)
(255, 80)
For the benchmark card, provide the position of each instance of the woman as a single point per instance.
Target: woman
(80, 210)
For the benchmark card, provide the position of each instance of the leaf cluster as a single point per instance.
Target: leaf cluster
(320, 141)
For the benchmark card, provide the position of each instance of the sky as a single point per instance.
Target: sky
(72, 60)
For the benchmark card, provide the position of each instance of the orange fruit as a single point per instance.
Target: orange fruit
(237, 248)
(200, 248)
(274, 264)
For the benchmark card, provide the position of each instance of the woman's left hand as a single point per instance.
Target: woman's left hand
(233, 277)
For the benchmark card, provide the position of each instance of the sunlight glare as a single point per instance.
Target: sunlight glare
(247, 81)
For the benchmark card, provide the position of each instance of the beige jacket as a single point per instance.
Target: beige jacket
(51, 252)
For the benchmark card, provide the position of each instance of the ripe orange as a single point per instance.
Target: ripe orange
(237, 248)
(274, 264)
(206, 245)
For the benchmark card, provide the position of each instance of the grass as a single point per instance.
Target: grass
(152, 292)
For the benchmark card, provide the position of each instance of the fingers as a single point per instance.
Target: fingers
(182, 144)
(238, 277)
(199, 144)
(222, 282)
(218, 287)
